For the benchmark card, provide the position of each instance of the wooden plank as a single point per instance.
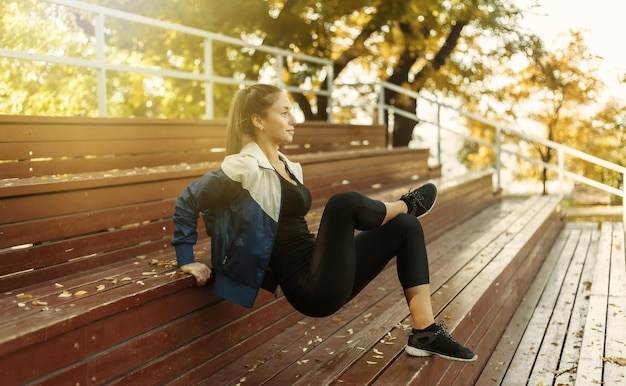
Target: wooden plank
(501, 357)
(36, 231)
(50, 254)
(208, 330)
(69, 148)
(80, 344)
(566, 372)
(69, 202)
(71, 182)
(524, 359)
(29, 169)
(590, 365)
(549, 353)
(615, 345)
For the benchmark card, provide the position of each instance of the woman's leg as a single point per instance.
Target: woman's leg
(328, 284)
(402, 237)
(343, 264)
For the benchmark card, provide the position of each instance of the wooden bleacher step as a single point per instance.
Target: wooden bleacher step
(560, 333)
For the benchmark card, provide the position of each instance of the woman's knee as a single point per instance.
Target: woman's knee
(409, 224)
(344, 200)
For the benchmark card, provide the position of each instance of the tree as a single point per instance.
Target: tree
(555, 91)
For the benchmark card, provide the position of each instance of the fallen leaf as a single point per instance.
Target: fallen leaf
(140, 282)
(615, 360)
(58, 285)
(23, 296)
(80, 293)
(371, 362)
(39, 303)
(65, 294)
(100, 287)
(21, 304)
(126, 279)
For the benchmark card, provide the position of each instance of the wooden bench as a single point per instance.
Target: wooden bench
(139, 321)
(571, 326)
(87, 269)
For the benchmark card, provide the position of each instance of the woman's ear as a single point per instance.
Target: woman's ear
(257, 121)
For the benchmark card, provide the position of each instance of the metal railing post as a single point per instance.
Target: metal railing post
(439, 134)
(209, 108)
(329, 85)
(279, 70)
(381, 105)
(624, 198)
(561, 170)
(498, 158)
(102, 72)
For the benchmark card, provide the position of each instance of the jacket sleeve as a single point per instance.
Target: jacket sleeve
(200, 196)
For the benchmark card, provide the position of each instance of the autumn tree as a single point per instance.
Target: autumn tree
(552, 93)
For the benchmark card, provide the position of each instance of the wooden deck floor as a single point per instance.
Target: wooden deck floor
(571, 327)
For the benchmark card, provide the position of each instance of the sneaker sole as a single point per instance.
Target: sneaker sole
(417, 352)
(434, 202)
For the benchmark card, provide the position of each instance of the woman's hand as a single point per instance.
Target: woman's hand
(200, 271)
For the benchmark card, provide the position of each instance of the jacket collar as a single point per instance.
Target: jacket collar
(254, 150)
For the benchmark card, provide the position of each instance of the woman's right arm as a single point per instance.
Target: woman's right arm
(200, 196)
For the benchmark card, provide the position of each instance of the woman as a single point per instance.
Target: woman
(254, 209)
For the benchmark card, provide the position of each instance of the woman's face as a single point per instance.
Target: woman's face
(278, 123)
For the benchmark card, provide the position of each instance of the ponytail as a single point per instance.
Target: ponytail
(256, 99)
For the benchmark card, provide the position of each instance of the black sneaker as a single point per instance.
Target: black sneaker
(421, 200)
(440, 342)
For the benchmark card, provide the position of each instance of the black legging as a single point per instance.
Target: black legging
(343, 264)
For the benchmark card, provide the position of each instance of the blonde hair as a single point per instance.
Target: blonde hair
(256, 99)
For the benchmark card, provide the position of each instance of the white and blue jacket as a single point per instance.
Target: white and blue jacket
(240, 204)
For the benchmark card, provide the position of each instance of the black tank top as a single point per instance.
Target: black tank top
(293, 247)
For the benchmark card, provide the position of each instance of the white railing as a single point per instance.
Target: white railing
(102, 65)
(501, 129)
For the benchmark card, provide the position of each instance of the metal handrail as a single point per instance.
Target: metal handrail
(501, 128)
(102, 65)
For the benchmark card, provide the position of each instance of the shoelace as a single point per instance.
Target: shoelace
(418, 199)
(443, 330)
